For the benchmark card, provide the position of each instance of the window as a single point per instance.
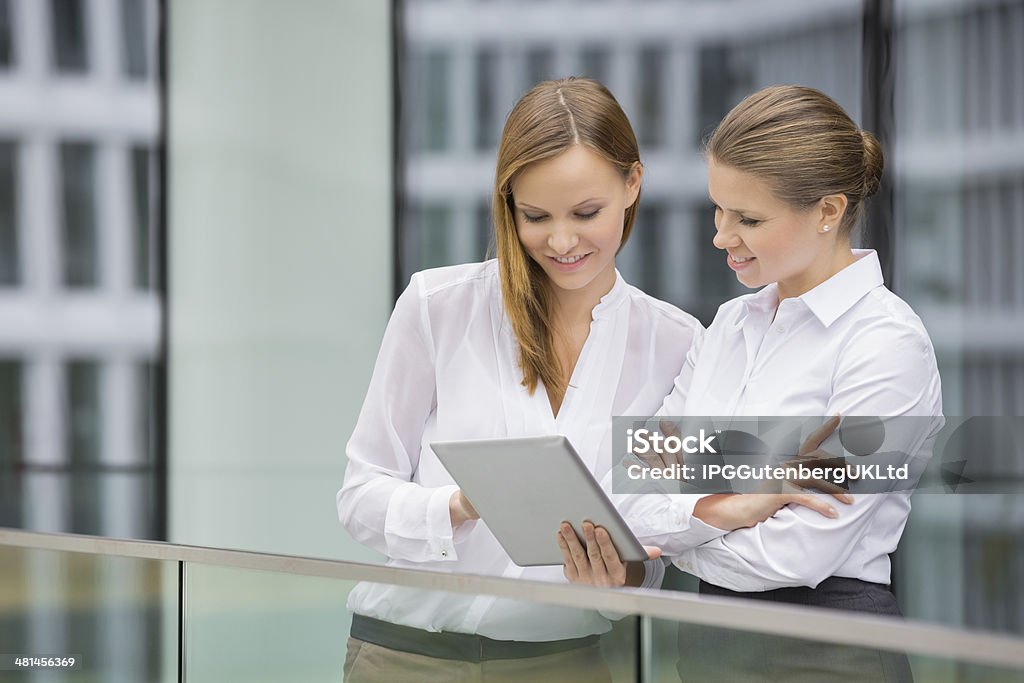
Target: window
(487, 117)
(436, 98)
(651, 83)
(134, 56)
(79, 238)
(145, 411)
(9, 266)
(70, 45)
(144, 247)
(11, 444)
(83, 432)
(6, 35)
(540, 64)
(484, 230)
(82, 379)
(433, 224)
(717, 281)
(594, 63)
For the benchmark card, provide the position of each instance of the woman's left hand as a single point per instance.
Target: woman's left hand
(598, 564)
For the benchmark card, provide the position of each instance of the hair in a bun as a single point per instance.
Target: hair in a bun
(804, 145)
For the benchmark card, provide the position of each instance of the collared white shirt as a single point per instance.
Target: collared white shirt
(448, 369)
(849, 347)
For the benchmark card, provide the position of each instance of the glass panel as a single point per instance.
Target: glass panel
(247, 625)
(116, 616)
(266, 234)
(81, 251)
(10, 272)
(70, 31)
(698, 654)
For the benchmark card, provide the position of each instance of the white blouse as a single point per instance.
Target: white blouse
(448, 369)
(849, 347)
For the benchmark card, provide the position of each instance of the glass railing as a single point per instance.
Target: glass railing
(142, 611)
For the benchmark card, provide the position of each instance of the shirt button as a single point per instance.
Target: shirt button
(444, 553)
(781, 329)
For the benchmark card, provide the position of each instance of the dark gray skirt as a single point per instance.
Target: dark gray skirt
(709, 654)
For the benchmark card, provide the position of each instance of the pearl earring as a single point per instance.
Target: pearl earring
(826, 229)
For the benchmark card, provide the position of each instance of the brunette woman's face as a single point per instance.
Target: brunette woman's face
(765, 238)
(570, 212)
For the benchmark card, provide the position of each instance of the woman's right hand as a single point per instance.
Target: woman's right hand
(460, 509)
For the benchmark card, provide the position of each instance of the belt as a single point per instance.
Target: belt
(465, 647)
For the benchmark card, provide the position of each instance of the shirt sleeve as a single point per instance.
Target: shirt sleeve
(888, 371)
(378, 502)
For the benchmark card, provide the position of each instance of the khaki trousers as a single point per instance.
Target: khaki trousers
(369, 663)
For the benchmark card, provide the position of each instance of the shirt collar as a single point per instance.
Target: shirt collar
(836, 295)
(832, 298)
(610, 301)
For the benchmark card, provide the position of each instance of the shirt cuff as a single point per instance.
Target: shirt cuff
(441, 538)
(698, 531)
(654, 573)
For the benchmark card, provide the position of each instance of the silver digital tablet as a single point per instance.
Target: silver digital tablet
(524, 488)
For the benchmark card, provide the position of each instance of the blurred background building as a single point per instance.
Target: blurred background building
(80, 314)
(79, 309)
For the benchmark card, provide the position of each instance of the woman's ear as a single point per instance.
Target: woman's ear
(833, 208)
(633, 182)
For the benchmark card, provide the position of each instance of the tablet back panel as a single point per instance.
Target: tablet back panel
(524, 488)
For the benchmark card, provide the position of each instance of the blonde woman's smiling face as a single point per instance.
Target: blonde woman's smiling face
(570, 212)
(765, 239)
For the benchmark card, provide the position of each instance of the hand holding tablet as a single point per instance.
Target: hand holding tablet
(526, 488)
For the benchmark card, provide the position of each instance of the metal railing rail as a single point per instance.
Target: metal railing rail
(910, 636)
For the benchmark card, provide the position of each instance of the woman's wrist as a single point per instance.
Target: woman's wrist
(636, 572)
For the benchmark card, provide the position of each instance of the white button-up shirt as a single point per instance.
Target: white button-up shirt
(849, 347)
(448, 369)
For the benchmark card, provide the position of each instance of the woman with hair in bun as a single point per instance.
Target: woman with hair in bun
(545, 339)
(788, 174)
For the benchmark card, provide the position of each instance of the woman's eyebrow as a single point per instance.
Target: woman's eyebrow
(524, 205)
(712, 200)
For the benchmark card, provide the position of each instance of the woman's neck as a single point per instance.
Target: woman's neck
(824, 268)
(574, 308)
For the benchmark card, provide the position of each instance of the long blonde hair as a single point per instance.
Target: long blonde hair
(548, 119)
(804, 145)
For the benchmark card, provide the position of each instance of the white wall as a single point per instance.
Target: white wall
(280, 243)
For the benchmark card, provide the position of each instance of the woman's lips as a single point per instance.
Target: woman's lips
(743, 265)
(570, 267)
